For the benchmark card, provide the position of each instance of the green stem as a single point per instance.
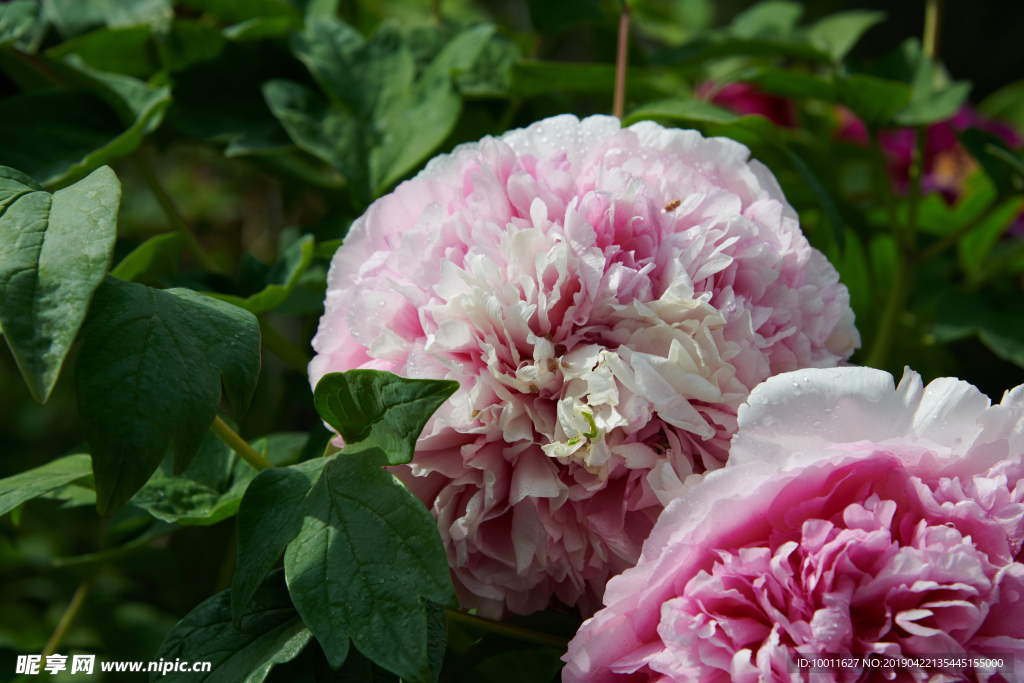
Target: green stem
(238, 445)
(932, 28)
(621, 63)
(916, 171)
(515, 632)
(68, 618)
(280, 346)
(892, 313)
(172, 213)
(437, 11)
(885, 185)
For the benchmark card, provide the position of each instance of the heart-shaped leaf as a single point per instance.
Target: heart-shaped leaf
(373, 409)
(54, 252)
(149, 376)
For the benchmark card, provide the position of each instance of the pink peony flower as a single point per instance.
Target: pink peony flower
(946, 163)
(852, 517)
(745, 98)
(606, 299)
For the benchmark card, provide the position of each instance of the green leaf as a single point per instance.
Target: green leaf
(359, 669)
(260, 28)
(767, 19)
(437, 638)
(219, 96)
(279, 280)
(367, 556)
(874, 100)
(35, 482)
(680, 109)
(1003, 166)
(269, 518)
(211, 487)
(374, 409)
(718, 45)
(127, 50)
(937, 105)
(156, 530)
(60, 136)
(534, 77)
(998, 321)
(936, 217)
(72, 495)
(930, 102)
(379, 121)
(270, 633)
(710, 119)
(475, 661)
(327, 132)
(156, 257)
(491, 74)
(74, 17)
(1006, 104)
(149, 374)
(854, 274)
(552, 17)
(189, 43)
(828, 205)
(787, 83)
(17, 19)
(884, 261)
(975, 245)
(54, 252)
(837, 33)
(325, 250)
(234, 11)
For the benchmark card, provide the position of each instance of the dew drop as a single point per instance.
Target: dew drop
(817, 423)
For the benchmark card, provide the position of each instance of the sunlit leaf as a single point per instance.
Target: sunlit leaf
(35, 482)
(373, 409)
(211, 487)
(54, 253)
